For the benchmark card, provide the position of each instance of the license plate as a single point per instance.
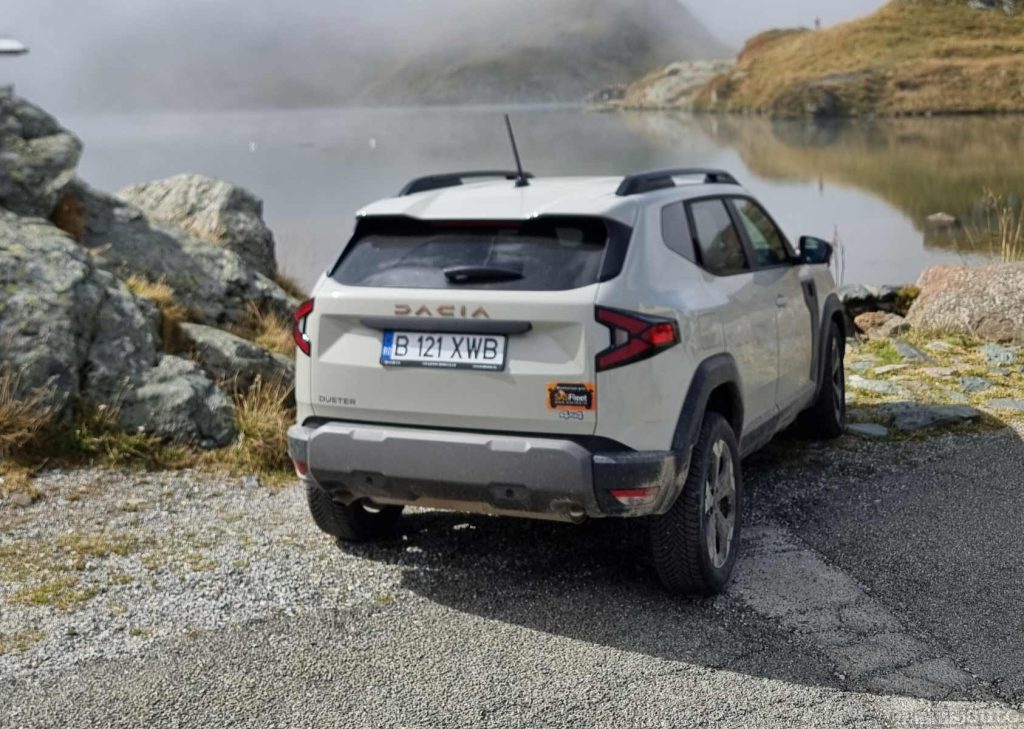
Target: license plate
(444, 351)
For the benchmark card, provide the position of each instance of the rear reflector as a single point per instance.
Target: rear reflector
(634, 497)
(301, 468)
(634, 337)
(299, 332)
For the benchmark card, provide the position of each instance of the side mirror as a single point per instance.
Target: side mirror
(815, 250)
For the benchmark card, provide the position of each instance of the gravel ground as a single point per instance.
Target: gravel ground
(880, 585)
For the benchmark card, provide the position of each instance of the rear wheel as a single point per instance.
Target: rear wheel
(826, 418)
(358, 522)
(694, 546)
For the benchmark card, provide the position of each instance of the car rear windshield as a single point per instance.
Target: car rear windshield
(543, 254)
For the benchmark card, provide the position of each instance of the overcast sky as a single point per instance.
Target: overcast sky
(733, 21)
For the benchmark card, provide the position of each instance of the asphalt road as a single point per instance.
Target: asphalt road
(880, 585)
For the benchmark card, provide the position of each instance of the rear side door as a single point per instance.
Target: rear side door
(778, 269)
(749, 314)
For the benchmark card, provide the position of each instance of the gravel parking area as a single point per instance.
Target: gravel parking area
(880, 586)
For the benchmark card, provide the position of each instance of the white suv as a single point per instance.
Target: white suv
(566, 349)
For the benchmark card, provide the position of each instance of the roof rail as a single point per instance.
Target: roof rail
(454, 179)
(662, 180)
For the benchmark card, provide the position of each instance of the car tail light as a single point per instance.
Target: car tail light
(635, 337)
(299, 318)
(301, 468)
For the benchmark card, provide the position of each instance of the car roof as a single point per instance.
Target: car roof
(502, 200)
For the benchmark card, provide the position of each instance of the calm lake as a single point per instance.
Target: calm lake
(871, 183)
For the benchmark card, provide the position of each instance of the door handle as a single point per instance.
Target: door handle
(781, 301)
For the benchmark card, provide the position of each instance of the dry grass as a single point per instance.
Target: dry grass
(19, 641)
(290, 285)
(266, 329)
(23, 417)
(172, 314)
(96, 438)
(1001, 229)
(93, 438)
(909, 57)
(262, 416)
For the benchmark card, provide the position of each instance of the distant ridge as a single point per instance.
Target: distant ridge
(196, 54)
(548, 50)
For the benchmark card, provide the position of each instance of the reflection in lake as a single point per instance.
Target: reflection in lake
(967, 167)
(873, 182)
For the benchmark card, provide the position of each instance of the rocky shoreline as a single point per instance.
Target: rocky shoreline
(80, 325)
(944, 352)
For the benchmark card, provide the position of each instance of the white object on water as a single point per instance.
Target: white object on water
(9, 46)
(373, 143)
(252, 146)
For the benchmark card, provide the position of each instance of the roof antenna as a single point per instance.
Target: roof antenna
(521, 180)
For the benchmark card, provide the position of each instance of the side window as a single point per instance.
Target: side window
(675, 230)
(721, 251)
(767, 241)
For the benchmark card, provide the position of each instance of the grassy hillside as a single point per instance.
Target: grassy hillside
(910, 57)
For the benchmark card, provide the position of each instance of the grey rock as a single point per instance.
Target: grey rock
(879, 387)
(938, 372)
(859, 366)
(228, 358)
(888, 293)
(939, 346)
(942, 220)
(1007, 6)
(856, 294)
(910, 353)
(911, 416)
(1006, 404)
(974, 385)
(65, 326)
(21, 499)
(212, 210)
(178, 402)
(998, 354)
(954, 396)
(674, 87)
(889, 369)
(985, 302)
(881, 324)
(37, 157)
(214, 283)
(868, 430)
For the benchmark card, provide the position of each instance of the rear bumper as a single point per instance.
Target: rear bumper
(538, 477)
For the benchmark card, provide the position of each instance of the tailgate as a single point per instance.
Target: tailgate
(543, 383)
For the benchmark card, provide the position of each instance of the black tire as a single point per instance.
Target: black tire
(826, 418)
(681, 540)
(355, 523)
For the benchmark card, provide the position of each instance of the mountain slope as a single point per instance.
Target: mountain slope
(910, 57)
(222, 55)
(546, 50)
